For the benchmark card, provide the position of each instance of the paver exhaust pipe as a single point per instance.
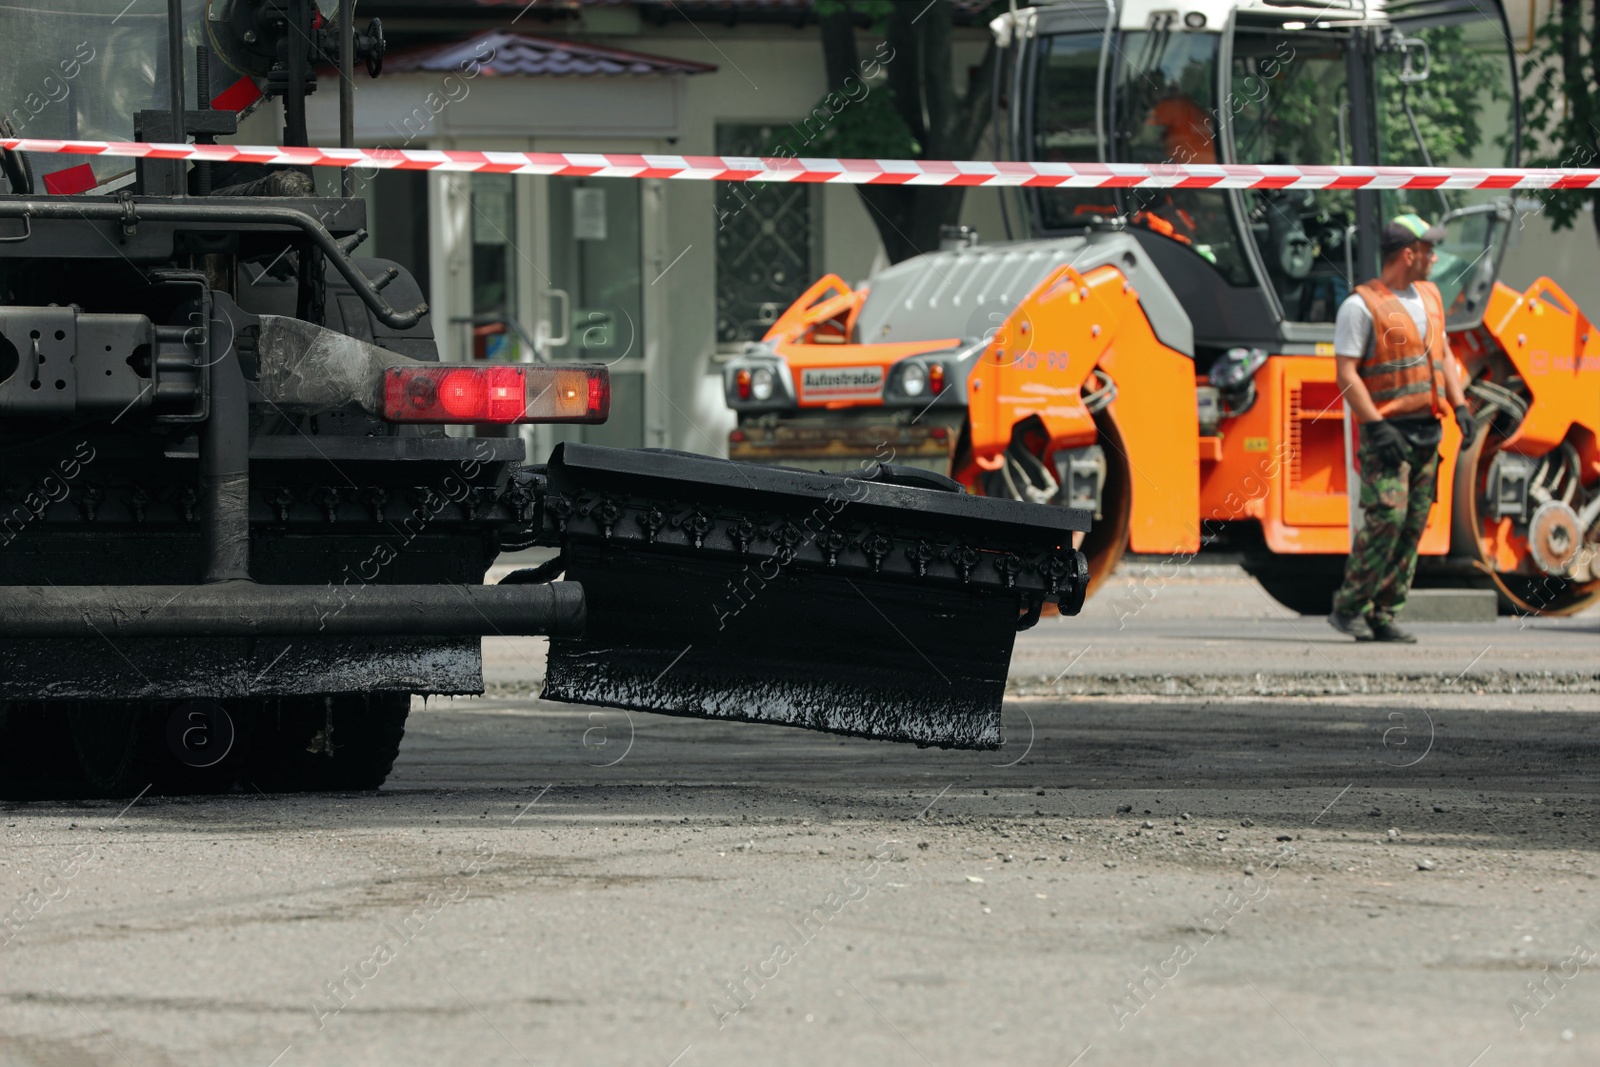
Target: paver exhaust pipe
(245, 609)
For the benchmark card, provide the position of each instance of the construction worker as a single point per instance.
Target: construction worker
(1397, 375)
(1187, 136)
(1186, 129)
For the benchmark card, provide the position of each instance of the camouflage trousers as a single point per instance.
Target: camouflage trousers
(1383, 560)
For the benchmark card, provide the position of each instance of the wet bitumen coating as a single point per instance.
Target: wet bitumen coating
(221, 667)
(948, 710)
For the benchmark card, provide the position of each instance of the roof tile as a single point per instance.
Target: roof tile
(516, 53)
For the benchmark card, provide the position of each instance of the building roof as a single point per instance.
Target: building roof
(516, 53)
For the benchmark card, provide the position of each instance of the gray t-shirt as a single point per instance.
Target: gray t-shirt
(1352, 329)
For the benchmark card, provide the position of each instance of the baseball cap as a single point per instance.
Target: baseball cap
(1407, 229)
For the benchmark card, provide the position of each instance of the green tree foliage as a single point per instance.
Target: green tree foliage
(1448, 106)
(900, 103)
(1307, 90)
(1560, 113)
(1286, 108)
(872, 128)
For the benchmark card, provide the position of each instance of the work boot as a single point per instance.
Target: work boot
(1389, 630)
(1354, 625)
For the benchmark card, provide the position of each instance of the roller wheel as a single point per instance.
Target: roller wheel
(330, 742)
(37, 760)
(170, 747)
(1500, 553)
(1304, 584)
(205, 745)
(113, 746)
(1107, 540)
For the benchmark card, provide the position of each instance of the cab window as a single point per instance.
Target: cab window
(1066, 69)
(1290, 106)
(1164, 111)
(1464, 109)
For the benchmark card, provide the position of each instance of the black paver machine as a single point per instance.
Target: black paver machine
(237, 537)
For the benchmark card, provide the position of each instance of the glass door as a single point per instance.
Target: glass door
(594, 297)
(1290, 103)
(491, 329)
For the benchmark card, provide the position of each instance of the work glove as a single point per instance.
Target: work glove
(1467, 424)
(1388, 443)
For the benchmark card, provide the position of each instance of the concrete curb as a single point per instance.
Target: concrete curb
(1304, 683)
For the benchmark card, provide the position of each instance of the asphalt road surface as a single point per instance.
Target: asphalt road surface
(1362, 856)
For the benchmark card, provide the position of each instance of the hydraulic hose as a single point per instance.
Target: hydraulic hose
(257, 214)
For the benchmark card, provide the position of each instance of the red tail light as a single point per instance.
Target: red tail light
(741, 381)
(936, 378)
(529, 393)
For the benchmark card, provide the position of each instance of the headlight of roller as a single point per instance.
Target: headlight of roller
(914, 379)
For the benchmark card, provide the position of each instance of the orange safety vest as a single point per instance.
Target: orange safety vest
(1404, 373)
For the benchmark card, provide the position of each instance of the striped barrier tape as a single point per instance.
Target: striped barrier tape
(842, 171)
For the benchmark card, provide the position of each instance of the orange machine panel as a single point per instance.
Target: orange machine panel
(1557, 353)
(1239, 479)
(1155, 413)
(1283, 464)
(1038, 364)
(824, 313)
(1313, 431)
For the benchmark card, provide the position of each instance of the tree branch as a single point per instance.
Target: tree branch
(839, 54)
(976, 110)
(905, 81)
(1573, 87)
(937, 78)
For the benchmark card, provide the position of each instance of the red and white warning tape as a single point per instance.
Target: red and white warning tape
(842, 171)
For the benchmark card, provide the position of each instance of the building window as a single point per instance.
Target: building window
(494, 267)
(596, 264)
(765, 240)
(597, 280)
